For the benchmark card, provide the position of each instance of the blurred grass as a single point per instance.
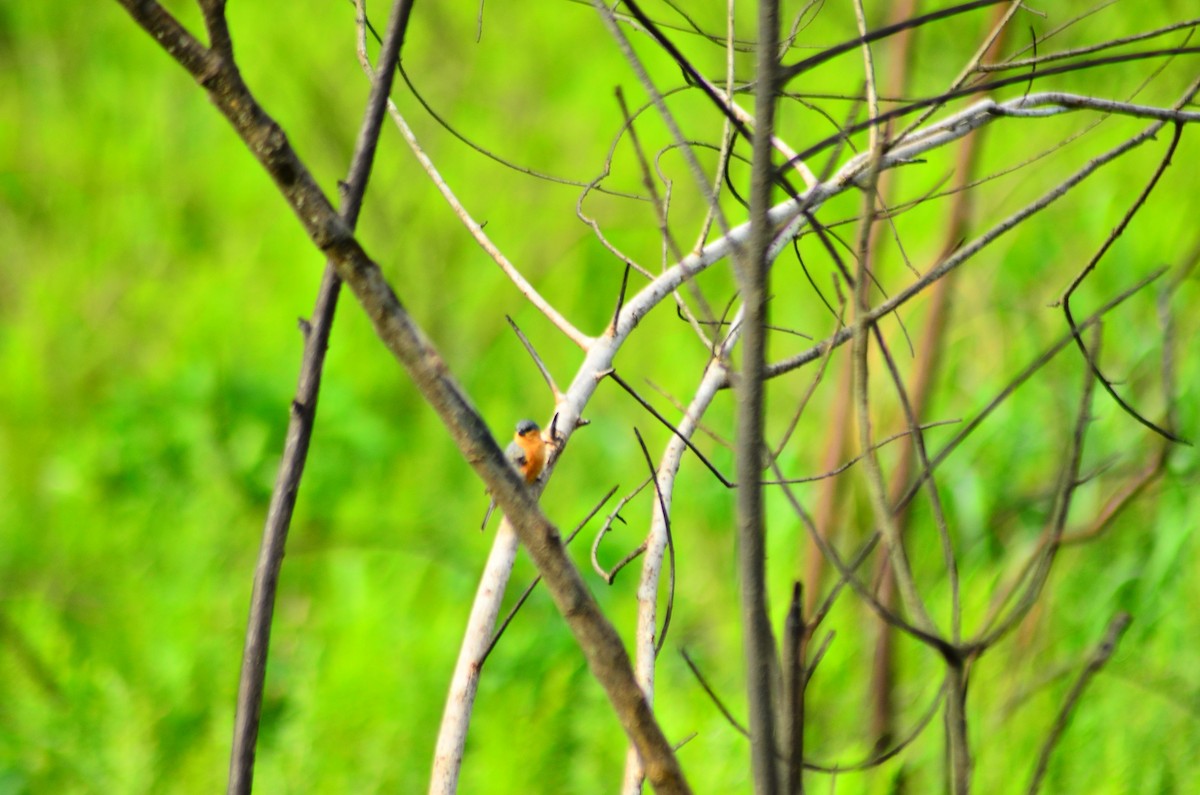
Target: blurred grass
(148, 350)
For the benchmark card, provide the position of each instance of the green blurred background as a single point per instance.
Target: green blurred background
(150, 285)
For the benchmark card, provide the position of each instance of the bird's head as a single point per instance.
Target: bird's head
(526, 427)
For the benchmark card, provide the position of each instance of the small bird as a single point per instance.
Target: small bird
(527, 454)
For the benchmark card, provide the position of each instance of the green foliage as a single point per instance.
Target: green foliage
(149, 291)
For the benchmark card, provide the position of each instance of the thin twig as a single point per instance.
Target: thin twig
(656, 543)
(537, 360)
(1018, 107)
(679, 434)
(1102, 654)
(876, 759)
(1091, 265)
(1075, 52)
(1040, 562)
(512, 613)
(1028, 372)
(878, 34)
(793, 664)
(830, 473)
(716, 700)
(826, 605)
(610, 576)
(998, 28)
(661, 210)
(639, 70)
(476, 230)
(830, 553)
(860, 336)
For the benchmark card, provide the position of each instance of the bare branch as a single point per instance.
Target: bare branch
(679, 434)
(751, 268)
(788, 72)
(615, 514)
(1027, 373)
(985, 46)
(218, 27)
(485, 242)
(658, 541)
(879, 758)
(1077, 51)
(512, 613)
(716, 700)
(1091, 265)
(537, 360)
(304, 405)
(1015, 108)
(1037, 568)
(1100, 657)
(489, 154)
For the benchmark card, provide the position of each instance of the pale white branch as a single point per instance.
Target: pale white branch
(452, 735)
(481, 237)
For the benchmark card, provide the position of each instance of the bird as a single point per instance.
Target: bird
(527, 454)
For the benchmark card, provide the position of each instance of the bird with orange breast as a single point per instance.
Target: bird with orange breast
(527, 454)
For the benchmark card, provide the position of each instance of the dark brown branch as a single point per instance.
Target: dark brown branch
(218, 28)
(304, 406)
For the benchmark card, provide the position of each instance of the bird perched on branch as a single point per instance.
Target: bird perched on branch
(527, 454)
